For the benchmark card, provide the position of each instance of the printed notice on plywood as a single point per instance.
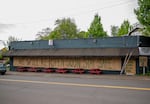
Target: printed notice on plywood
(143, 61)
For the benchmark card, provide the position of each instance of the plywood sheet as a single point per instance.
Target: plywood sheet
(86, 63)
(131, 67)
(31, 61)
(70, 62)
(143, 61)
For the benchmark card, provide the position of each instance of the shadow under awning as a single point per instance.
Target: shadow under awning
(76, 52)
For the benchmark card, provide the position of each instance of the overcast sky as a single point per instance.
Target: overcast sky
(25, 18)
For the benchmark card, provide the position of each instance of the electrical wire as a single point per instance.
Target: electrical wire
(111, 5)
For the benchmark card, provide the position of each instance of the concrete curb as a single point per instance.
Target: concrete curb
(101, 76)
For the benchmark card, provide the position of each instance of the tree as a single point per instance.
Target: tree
(65, 29)
(124, 29)
(83, 34)
(114, 30)
(55, 34)
(44, 34)
(11, 39)
(96, 28)
(143, 15)
(3, 51)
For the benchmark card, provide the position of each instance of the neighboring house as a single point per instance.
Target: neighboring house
(110, 54)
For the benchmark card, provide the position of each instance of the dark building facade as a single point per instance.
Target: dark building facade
(128, 54)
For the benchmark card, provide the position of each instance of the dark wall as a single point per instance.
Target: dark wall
(144, 41)
(109, 42)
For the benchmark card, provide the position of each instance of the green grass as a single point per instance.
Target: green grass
(146, 74)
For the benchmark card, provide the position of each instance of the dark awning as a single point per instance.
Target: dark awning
(74, 52)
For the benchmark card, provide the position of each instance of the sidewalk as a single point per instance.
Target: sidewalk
(69, 75)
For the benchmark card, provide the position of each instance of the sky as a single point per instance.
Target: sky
(25, 18)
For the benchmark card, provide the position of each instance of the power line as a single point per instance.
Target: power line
(103, 8)
(111, 5)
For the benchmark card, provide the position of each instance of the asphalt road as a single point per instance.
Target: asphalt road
(47, 89)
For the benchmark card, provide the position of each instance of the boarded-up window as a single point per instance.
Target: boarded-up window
(103, 63)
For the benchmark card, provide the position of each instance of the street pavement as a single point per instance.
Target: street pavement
(42, 88)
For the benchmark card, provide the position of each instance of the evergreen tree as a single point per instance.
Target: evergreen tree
(124, 29)
(96, 29)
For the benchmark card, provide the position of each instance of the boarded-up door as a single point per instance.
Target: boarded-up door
(131, 67)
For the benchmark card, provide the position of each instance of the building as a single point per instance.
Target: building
(127, 54)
